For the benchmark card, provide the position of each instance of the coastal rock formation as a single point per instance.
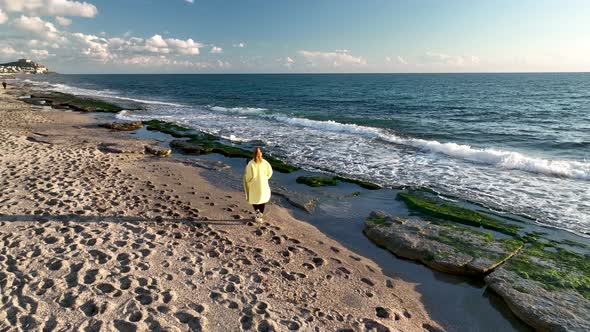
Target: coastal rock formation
(157, 150)
(122, 126)
(548, 287)
(76, 103)
(443, 247)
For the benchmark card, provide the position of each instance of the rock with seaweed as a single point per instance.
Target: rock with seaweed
(75, 103)
(431, 205)
(363, 184)
(122, 126)
(547, 286)
(445, 247)
(198, 142)
(316, 181)
(323, 181)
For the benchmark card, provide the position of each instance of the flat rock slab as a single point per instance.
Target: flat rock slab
(547, 287)
(299, 200)
(443, 247)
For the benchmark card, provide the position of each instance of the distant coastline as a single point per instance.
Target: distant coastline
(23, 66)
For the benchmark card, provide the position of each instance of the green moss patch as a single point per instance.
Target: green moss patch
(476, 249)
(322, 181)
(316, 181)
(382, 222)
(362, 184)
(555, 268)
(452, 212)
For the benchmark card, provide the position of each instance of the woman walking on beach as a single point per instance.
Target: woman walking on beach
(256, 176)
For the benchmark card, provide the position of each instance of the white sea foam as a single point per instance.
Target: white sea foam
(489, 156)
(241, 110)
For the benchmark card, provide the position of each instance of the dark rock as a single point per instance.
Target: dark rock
(444, 247)
(157, 150)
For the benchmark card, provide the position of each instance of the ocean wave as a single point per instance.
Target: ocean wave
(488, 156)
(240, 110)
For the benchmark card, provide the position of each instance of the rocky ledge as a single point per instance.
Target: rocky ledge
(547, 286)
(546, 283)
(444, 247)
(66, 101)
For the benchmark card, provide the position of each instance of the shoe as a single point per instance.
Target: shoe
(258, 217)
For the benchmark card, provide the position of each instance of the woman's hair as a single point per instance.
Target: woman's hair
(257, 158)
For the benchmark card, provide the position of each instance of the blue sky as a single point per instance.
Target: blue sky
(170, 36)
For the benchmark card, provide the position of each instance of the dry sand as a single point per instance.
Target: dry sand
(92, 240)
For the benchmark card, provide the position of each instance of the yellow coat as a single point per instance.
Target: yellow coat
(256, 178)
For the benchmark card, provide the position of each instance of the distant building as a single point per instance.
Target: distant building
(23, 66)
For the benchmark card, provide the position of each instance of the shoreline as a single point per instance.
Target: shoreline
(142, 269)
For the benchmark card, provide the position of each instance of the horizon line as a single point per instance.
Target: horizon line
(322, 73)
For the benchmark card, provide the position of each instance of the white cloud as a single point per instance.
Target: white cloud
(63, 21)
(50, 7)
(3, 17)
(451, 60)
(40, 54)
(289, 62)
(37, 26)
(156, 41)
(336, 58)
(92, 46)
(190, 1)
(8, 51)
(186, 47)
(240, 45)
(216, 50)
(401, 60)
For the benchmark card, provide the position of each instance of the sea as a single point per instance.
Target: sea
(516, 143)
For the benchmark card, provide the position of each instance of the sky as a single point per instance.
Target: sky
(297, 36)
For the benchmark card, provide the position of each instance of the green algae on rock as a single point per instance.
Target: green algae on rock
(362, 184)
(316, 181)
(548, 287)
(76, 103)
(444, 247)
(322, 181)
(445, 210)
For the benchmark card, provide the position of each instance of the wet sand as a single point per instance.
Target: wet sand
(94, 240)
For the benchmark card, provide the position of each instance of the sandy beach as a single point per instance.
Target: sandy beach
(100, 241)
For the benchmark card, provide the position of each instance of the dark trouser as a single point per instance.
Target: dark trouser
(259, 207)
